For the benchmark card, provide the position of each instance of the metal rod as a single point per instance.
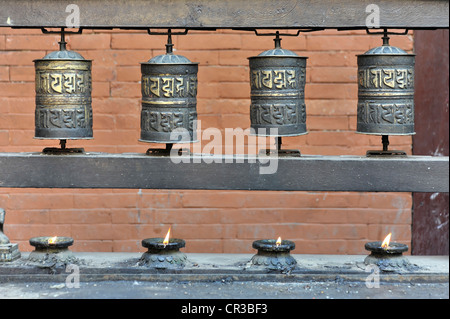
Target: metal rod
(169, 44)
(385, 142)
(62, 43)
(277, 40)
(2, 219)
(385, 38)
(63, 144)
(278, 142)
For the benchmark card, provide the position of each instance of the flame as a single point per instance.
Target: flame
(166, 239)
(386, 241)
(52, 240)
(278, 243)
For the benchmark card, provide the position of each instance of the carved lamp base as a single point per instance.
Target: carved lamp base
(9, 252)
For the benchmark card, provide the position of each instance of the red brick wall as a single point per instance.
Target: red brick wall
(209, 221)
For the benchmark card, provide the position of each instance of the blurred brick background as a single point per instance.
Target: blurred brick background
(209, 221)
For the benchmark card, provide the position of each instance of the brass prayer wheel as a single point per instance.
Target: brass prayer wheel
(63, 95)
(386, 91)
(277, 92)
(169, 98)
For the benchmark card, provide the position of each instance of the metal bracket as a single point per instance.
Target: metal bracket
(385, 151)
(169, 32)
(277, 33)
(62, 43)
(166, 151)
(372, 153)
(278, 151)
(62, 149)
(386, 32)
(45, 31)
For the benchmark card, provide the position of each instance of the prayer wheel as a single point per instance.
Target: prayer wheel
(386, 91)
(169, 98)
(385, 94)
(277, 92)
(63, 95)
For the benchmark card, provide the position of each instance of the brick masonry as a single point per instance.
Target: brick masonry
(209, 221)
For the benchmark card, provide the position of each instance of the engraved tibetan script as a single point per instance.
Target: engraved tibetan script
(169, 86)
(57, 118)
(278, 114)
(375, 113)
(386, 78)
(62, 83)
(275, 79)
(164, 121)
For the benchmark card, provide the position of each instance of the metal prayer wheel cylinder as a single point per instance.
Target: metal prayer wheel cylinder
(277, 92)
(63, 96)
(169, 99)
(386, 91)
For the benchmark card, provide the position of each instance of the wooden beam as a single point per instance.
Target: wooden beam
(306, 173)
(203, 14)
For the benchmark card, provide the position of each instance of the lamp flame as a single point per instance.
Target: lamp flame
(278, 243)
(386, 241)
(166, 239)
(52, 240)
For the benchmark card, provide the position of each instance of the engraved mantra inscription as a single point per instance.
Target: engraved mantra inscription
(376, 113)
(74, 88)
(276, 79)
(166, 121)
(57, 118)
(63, 83)
(386, 78)
(160, 88)
(169, 87)
(291, 111)
(278, 114)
